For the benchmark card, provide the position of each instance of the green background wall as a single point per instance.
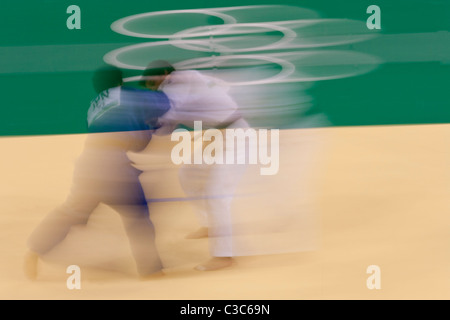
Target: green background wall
(46, 69)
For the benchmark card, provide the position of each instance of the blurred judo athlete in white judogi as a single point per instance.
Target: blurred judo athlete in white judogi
(119, 120)
(197, 97)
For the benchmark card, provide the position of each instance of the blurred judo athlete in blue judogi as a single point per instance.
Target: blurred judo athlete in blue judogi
(120, 119)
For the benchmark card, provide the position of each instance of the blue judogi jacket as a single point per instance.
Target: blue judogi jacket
(126, 109)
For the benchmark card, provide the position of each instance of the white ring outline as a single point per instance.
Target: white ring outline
(112, 56)
(119, 25)
(288, 64)
(288, 35)
(287, 68)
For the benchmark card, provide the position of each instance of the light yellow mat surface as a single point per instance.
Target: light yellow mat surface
(375, 196)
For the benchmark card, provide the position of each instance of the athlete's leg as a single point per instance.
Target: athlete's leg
(193, 180)
(130, 202)
(141, 235)
(221, 186)
(54, 229)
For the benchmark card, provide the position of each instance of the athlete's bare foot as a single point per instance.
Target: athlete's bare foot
(30, 265)
(198, 234)
(215, 263)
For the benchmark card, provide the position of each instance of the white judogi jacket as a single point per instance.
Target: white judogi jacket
(197, 97)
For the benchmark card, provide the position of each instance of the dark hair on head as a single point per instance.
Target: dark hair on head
(106, 77)
(157, 68)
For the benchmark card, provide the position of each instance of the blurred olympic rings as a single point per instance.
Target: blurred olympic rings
(274, 44)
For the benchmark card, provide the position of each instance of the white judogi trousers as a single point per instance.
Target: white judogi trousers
(212, 188)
